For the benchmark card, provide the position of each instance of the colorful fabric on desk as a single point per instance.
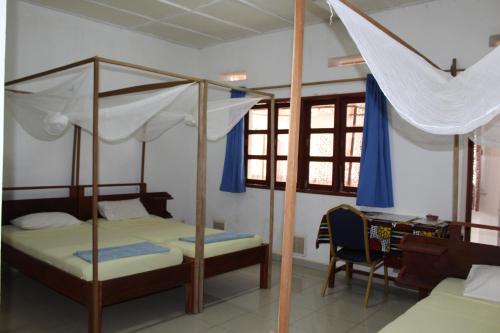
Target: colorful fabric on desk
(426, 233)
(380, 238)
(124, 251)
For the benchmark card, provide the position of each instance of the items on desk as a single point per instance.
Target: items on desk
(387, 230)
(431, 217)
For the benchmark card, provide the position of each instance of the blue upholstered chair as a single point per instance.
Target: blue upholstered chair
(348, 231)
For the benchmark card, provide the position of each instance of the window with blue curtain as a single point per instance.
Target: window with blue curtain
(375, 176)
(233, 174)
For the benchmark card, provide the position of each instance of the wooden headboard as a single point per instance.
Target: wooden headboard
(80, 206)
(154, 202)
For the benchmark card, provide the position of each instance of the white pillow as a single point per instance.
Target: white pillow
(483, 282)
(122, 209)
(45, 220)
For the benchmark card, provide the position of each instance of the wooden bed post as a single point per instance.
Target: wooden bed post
(96, 304)
(143, 162)
(73, 157)
(456, 162)
(272, 177)
(291, 178)
(78, 154)
(75, 163)
(201, 188)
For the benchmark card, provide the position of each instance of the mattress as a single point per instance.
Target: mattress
(168, 231)
(56, 246)
(446, 310)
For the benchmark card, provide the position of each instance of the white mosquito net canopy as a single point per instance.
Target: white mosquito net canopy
(425, 96)
(47, 107)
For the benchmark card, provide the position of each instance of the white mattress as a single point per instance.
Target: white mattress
(56, 247)
(168, 231)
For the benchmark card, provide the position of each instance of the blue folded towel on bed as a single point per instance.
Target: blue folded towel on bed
(124, 251)
(224, 236)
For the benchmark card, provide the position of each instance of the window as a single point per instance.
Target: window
(283, 125)
(330, 141)
(257, 145)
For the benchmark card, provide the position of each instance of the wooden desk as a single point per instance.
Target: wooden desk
(387, 231)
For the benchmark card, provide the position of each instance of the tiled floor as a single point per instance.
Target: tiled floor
(234, 305)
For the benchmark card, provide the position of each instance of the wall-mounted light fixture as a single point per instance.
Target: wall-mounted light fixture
(346, 61)
(494, 40)
(234, 76)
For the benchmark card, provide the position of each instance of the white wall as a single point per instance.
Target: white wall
(40, 39)
(421, 163)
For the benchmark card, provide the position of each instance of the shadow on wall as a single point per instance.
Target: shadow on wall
(418, 137)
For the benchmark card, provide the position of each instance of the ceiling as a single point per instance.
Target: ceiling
(203, 23)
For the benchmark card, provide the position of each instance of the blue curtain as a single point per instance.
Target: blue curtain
(375, 176)
(233, 175)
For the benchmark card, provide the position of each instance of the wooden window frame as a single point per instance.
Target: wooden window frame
(304, 142)
(280, 103)
(255, 182)
(339, 131)
(355, 129)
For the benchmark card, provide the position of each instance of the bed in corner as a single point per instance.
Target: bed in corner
(447, 310)
(446, 269)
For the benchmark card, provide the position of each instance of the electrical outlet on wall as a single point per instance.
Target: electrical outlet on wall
(219, 224)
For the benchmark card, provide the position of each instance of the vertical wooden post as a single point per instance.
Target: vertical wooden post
(75, 163)
(456, 166)
(201, 188)
(291, 179)
(78, 154)
(143, 162)
(73, 157)
(96, 299)
(456, 161)
(272, 177)
(469, 188)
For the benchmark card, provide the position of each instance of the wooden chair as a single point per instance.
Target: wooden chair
(348, 229)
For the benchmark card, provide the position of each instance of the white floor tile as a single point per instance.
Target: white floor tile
(323, 323)
(250, 323)
(270, 312)
(255, 300)
(217, 329)
(184, 324)
(220, 313)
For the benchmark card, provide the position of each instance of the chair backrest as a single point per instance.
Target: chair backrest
(348, 227)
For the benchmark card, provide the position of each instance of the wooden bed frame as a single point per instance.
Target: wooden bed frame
(121, 289)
